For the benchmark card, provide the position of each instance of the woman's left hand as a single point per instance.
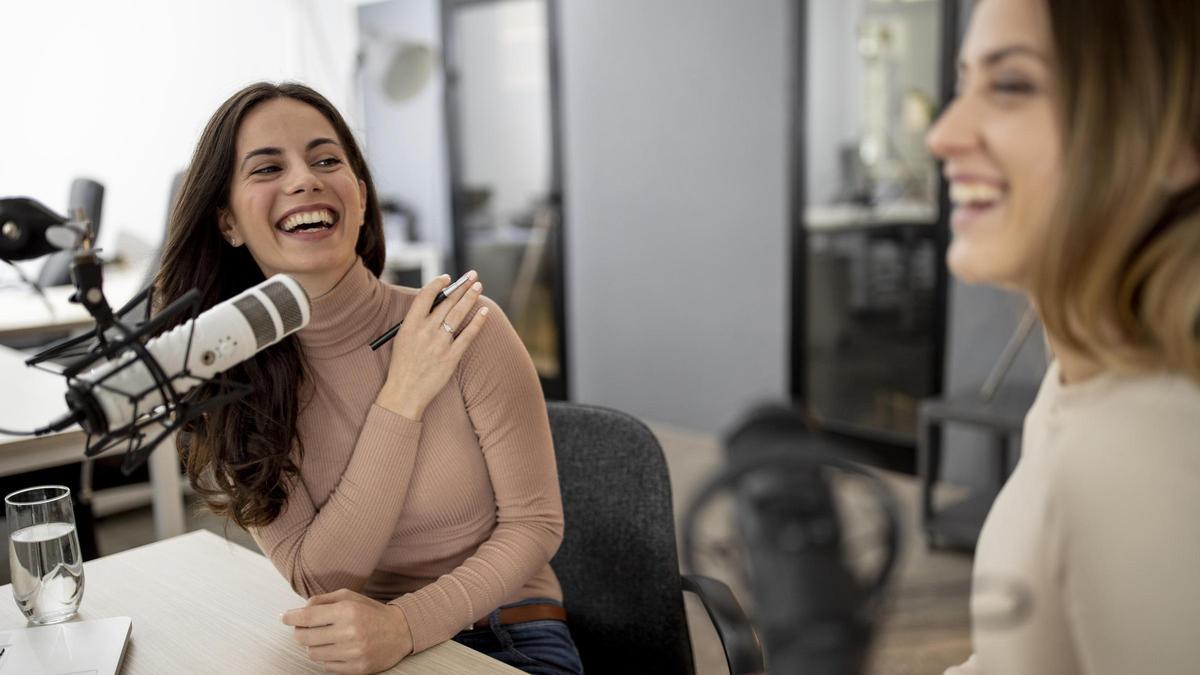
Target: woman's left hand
(347, 632)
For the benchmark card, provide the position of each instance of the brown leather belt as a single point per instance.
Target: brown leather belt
(523, 613)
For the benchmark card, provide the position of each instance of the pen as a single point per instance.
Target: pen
(437, 300)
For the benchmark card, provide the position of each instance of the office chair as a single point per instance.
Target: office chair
(618, 563)
(974, 428)
(88, 195)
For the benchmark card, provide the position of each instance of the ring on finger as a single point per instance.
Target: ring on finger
(448, 328)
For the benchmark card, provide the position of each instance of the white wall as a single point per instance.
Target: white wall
(119, 91)
(834, 93)
(406, 141)
(675, 155)
(504, 97)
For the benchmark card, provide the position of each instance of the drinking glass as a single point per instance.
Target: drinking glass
(43, 553)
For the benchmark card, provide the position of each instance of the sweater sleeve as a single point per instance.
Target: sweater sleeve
(339, 546)
(1128, 496)
(504, 401)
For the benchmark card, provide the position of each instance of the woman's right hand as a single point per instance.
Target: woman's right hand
(425, 353)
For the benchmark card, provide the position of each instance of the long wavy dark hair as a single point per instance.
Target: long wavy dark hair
(242, 458)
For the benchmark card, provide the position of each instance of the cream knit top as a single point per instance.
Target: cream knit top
(447, 518)
(1089, 561)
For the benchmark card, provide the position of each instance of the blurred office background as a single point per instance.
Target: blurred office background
(685, 206)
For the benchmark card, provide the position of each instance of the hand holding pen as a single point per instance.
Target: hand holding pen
(430, 342)
(437, 300)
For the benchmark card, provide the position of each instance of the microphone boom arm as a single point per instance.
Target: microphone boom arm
(147, 428)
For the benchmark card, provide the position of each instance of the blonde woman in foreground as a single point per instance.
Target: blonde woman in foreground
(1071, 152)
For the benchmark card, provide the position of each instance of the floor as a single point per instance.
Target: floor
(924, 628)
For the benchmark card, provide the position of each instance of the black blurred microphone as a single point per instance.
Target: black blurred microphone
(30, 230)
(812, 609)
(807, 604)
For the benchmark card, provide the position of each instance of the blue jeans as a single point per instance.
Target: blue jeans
(536, 647)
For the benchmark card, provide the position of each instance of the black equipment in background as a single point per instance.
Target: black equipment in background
(86, 198)
(812, 608)
(27, 229)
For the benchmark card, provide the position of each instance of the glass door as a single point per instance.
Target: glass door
(870, 279)
(505, 172)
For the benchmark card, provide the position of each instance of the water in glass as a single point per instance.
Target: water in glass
(43, 554)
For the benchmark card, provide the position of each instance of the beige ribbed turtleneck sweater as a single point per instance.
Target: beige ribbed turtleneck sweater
(1089, 560)
(447, 518)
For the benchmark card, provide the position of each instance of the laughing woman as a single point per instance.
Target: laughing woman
(409, 493)
(1073, 155)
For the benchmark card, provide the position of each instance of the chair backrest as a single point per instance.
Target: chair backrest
(88, 195)
(172, 197)
(618, 562)
(140, 311)
(979, 321)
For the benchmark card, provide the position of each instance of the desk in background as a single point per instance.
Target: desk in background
(412, 264)
(23, 313)
(201, 604)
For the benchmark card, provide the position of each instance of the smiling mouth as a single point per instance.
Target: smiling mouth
(975, 195)
(308, 221)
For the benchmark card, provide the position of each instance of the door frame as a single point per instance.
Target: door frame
(953, 13)
(556, 388)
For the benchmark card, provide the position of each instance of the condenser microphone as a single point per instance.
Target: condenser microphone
(30, 230)
(114, 395)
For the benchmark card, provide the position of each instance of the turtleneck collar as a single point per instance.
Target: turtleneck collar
(348, 316)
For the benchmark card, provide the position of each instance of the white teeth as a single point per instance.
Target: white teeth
(974, 193)
(297, 219)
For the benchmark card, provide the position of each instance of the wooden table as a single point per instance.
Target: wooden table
(30, 398)
(201, 604)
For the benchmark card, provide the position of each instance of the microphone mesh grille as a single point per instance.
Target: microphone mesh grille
(285, 302)
(259, 319)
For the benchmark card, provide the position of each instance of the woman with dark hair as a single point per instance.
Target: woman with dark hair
(1073, 156)
(411, 492)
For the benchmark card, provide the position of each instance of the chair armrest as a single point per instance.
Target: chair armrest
(743, 650)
